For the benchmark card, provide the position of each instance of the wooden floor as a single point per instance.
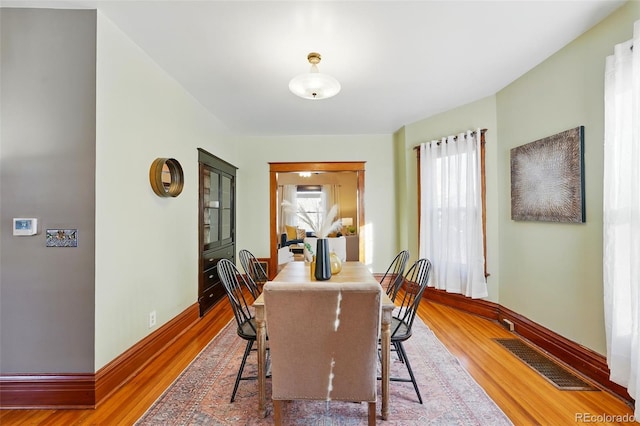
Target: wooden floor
(524, 396)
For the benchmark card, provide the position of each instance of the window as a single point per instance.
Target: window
(621, 217)
(452, 212)
(309, 199)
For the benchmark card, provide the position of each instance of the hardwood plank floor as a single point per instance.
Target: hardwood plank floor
(524, 396)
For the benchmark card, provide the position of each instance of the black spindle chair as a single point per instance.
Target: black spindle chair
(415, 281)
(241, 300)
(393, 278)
(254, 270)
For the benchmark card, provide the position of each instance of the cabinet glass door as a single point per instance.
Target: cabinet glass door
(211, 207)
(226, 212)
(217, 209)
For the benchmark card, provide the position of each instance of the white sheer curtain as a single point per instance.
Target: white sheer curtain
(330, 197)
(451, 234)
(288, 193)
(621, 204)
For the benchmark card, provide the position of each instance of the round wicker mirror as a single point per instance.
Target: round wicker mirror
(166, 177)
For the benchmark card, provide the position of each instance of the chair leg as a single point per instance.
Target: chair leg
(403, 354)
(277, 412)
(247, 350)
(372, 414)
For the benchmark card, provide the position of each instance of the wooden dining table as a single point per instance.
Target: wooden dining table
(299, 273)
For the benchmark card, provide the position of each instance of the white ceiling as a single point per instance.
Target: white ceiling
(397, 61)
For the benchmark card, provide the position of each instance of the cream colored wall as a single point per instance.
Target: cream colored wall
(480, 114)
(347, 181)
(549, 272)
(146, 246)
(253, 184)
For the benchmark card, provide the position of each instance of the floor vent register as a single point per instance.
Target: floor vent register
(555, 373)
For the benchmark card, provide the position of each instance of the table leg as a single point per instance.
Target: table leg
(262, 360)
(385, 342)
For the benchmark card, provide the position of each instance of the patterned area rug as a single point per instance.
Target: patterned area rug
(200, 395)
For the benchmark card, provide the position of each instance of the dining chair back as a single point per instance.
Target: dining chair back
(407, 302)
(254, 270)
(323, 342)
(392, 279)
(240, 295)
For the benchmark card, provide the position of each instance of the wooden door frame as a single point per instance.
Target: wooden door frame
(295, 167)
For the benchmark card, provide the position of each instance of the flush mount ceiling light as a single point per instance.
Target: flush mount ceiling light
(314, 84)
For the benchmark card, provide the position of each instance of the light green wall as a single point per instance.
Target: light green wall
(480, 114)
(253, 186)
(146, 246)
(146, 255)
(146, 258)
(404, 216)
(552, 273)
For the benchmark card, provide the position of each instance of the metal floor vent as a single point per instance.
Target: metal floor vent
(558, 375)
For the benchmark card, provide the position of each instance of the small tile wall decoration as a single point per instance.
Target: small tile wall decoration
(62, 238)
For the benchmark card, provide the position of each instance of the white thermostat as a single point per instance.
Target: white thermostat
(23, 226)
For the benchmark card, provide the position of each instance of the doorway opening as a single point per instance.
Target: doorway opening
(282, 172)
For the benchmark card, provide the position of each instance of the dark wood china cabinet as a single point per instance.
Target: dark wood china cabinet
(216, 224)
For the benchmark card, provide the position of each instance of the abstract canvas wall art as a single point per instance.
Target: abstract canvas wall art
(547, 179)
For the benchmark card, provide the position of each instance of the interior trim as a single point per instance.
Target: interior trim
(587, 362)
(483, 308)
(334, 166)
(52, 391)
(113, 375)
(86, 391)
(582, 359)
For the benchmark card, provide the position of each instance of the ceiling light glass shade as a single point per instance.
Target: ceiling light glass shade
(314, 85)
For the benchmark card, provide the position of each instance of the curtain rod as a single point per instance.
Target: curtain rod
(455, 138)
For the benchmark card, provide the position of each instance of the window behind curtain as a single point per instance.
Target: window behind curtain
(452, 213)
(309, 198)
(621, 214)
